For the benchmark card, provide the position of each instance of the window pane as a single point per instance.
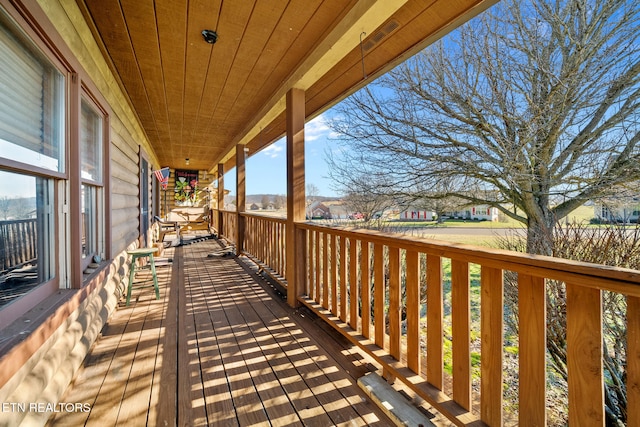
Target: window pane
(89, 222)
(90, 143)
(32, 107)
(26, 234)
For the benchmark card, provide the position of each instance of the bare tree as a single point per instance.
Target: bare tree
(528, 102)
(279, 201)
(5, 206)
(264, 201)
(313, 192)
(364, 193)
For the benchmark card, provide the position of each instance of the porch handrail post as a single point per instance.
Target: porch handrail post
(220, 198)
(242, 198)
(295, 243)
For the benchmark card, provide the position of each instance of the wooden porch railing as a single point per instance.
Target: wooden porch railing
(229, 225)
(370, 285)
(17, 243)
(366, 282)
(265, 241)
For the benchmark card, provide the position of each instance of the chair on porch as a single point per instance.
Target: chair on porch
(195, 221)
(167, 227)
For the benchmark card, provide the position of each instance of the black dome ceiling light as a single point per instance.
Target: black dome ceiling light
(210, 36)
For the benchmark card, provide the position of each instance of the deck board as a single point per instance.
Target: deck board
(219, 348)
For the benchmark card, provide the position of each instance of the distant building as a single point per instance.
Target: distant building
(417, 214)
(627, 212)
(477, 212)
(319, 210)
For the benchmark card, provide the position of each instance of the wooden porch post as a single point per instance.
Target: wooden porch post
(220, 198)
(242, 198)
(296, 200)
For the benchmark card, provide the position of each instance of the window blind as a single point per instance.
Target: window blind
(31, 107)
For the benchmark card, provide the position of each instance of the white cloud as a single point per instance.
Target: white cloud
(273, 150)
(317, 128)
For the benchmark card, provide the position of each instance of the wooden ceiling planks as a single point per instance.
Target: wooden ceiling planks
(238, 96)
(230, 25)
(141, 24)
(202, 14)
(277, 53)
(118, 44)
(172, 37)
(195, 99)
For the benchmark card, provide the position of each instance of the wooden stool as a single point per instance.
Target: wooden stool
(142, 253)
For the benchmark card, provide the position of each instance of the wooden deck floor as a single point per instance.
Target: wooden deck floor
(218, 348)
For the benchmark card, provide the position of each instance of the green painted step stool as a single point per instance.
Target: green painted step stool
(142, 253)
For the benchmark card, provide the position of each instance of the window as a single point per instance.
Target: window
(26, 234)
(53, 206)
(32, 107)
(91, 144)
(32, 131)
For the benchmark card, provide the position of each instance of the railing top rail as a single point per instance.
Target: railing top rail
(616, 279)
(16, 221)
(265, 217)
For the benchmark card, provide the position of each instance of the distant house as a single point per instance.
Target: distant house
(627, 212)
(417, 214)
(319, 210)
(254, 207)
(338, 210)
(477, 212)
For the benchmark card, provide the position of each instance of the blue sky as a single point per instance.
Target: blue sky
(266, 170)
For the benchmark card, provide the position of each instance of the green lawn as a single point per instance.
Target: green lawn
(421, 228)
(582, 214)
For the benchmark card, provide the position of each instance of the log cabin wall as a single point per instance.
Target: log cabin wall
(38, 363)
(204, 180)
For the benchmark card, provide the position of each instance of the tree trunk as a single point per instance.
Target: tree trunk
(540, 233)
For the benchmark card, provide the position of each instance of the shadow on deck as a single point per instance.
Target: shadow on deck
(219, 348)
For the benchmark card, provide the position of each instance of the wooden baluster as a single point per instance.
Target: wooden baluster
(435, 327)
(311, 290)
(365, 289)
(316, 268)
(272, 229)
(353, 283)
(378, 294)
(584, 356)
(281, 240)
(270, 243)
(633, 361)
(253, 230)
(532, 315)
(325, 271)
(394, 302)
(334, 274)
(413, 311)
(343, 278)
(491, 331)
(460, 327)
(280, 254)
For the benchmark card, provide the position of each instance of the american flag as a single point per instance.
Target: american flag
(163, 177)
